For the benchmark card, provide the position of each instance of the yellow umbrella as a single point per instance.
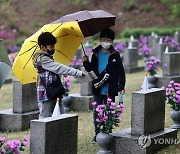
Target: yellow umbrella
(69, 37)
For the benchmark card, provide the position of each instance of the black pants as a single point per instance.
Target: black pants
(99, 99)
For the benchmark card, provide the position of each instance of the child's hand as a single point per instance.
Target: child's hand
(85, 58)
(122, 92)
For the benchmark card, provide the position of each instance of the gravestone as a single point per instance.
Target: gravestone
(86, 89)
(177, 36)
(82, 101)
(150, 38)
(25, 108)
(131, 60)
(148, 116)
(79, 54)
(24, 97)
(172, 69)
(155, 41)
(147, 125)
(160, 50)
(54, 135)
(135, 43)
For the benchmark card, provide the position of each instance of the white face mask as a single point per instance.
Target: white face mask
(105, 45)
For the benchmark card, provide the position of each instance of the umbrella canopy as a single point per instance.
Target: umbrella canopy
(90, 22)
(69, 37)
(5, 64)
(70, 30)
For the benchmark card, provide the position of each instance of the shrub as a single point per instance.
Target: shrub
(129, 4)
(173, 6)
(136, 32)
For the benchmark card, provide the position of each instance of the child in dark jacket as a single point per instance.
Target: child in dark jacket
(107, 65)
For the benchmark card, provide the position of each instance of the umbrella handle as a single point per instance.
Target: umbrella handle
(83, 49)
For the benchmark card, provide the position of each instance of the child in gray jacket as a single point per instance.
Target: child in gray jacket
(48, 70)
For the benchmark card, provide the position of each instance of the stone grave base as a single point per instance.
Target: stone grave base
(134, 69)
(80, 103)
(125, 143)
(54, 135)
(10, 121)
(164, 80)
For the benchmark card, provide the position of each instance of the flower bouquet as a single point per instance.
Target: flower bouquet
(173, 95)
(174, 46)
(152, 66)
(145, 51)
(120, 47)
(67, 85)
(76, 63)
(173, 98)
(12, 146)
(108, 115)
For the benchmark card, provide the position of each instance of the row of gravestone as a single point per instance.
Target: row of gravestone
(25, 106)
(147, 117)
(130, 59)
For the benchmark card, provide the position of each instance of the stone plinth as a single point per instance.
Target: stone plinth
(24, 97)
(172, 60)
(125, 143)
(81, 103)
(56, 135)
(10, 121)
(148, 111)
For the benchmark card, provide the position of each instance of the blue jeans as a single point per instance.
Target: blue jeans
(99, 99)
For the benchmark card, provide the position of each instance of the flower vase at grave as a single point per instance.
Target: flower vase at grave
(105, 142)
(65, 104)
(146, 58)
(175, 116)
(152, 80)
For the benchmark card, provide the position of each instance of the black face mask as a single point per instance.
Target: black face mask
(51, 52)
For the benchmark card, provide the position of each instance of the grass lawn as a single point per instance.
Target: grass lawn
(85, 123)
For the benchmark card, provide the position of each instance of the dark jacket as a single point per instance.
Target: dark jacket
(116, 81)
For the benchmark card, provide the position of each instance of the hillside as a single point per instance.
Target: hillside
(24, 17)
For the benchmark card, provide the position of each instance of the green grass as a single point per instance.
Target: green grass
(85, 123)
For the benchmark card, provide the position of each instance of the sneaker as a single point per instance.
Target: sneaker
(94, 140)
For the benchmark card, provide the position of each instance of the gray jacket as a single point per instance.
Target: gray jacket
(44, 59)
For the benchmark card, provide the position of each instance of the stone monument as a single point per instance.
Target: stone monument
(25, 108)
(54, 135)
(147, 125)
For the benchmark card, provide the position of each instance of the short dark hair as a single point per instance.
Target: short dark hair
(46, 38)
(107, 33)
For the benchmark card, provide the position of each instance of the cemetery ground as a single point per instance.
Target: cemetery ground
(85, 123)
